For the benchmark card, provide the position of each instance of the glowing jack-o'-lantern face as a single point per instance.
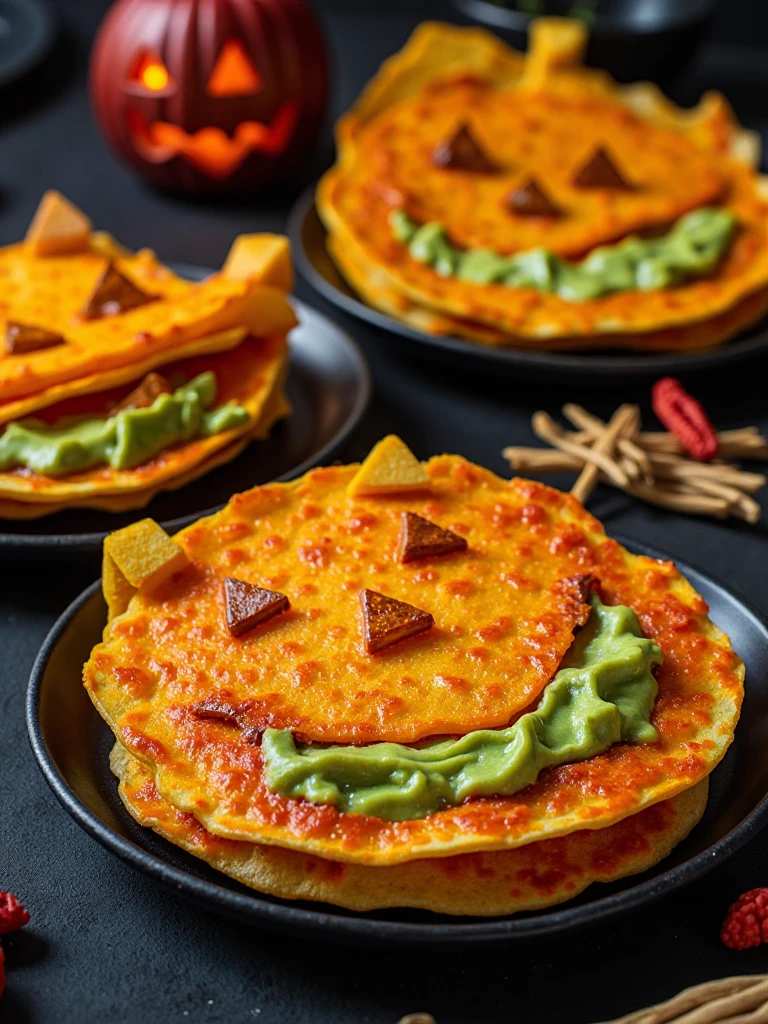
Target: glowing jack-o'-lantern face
(209, 101)
(210, 148)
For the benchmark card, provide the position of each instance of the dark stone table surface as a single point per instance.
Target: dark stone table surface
(109, 945)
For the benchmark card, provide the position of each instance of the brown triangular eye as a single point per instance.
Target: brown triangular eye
(249, 605)
(462, 152)
(600, 172)
(113, 293)
(233, 73)
(22, 338)
(150, 72)
(420, 538)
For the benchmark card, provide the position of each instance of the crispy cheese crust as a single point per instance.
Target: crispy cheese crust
(489, 884)
(486, 656)
(539, 118)
(251, 375)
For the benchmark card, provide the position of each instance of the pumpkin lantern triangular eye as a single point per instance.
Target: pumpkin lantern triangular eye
(150, 72)
(234, 73)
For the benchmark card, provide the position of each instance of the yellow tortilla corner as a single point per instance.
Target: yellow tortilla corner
(555, 44)
(265, 257)
(391, 468)
(58, 227)
(138, 557)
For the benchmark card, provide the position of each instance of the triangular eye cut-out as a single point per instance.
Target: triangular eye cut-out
(150, 72)
(420, 538)
(234, 73)
(114, 293)
(462, 152)
(601, 172)
(387, 620)
(249, 605)
(22, 338)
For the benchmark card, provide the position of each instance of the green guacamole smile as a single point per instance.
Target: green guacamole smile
(603, 694)
(692, 248)
(128, 439)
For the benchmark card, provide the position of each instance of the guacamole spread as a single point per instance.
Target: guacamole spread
(129, 438)
(692, 248)
(603, 694)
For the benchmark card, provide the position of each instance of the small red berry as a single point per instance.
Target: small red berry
(746, 923)
(12, 914)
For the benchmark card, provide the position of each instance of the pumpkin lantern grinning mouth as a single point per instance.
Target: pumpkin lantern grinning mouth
(210, 148)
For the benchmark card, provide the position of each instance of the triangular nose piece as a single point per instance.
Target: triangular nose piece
(600, 172)
(114, 293)
(387, 620)
(530, 200)
(234, 73)
(420, 538)
(249, 605)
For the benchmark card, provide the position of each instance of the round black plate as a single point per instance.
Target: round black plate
(308, 239)
(26, 34)
(329, 387)
(72, 744)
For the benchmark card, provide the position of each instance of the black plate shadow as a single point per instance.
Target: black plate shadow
(72, 744)
(27, 31)
(308, 240)
(329, 386)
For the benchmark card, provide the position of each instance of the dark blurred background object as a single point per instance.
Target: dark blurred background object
(632, 39)
(27, 30)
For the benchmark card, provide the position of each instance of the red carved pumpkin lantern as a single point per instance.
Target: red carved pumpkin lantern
(210, 95)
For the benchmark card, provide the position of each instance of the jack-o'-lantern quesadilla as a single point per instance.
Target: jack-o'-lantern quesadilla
(117, 377)
(531, 201)
(410, 684)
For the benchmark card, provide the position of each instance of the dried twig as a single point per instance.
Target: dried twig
(740, 1000)
(651, 466)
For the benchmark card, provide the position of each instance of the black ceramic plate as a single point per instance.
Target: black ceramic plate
(328, 387)
(308, 238)
(26, 34)
(72, 744)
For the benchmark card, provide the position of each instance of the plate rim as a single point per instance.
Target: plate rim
(80, 542)
(44, 27)
(486, 357)
(259, 910)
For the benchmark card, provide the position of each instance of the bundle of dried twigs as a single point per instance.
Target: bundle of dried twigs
(741, 1000)
(652, 466)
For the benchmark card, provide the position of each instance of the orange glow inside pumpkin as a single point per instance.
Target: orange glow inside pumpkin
(211, 149)
(215, 152)
(234, 73)
(152, 73)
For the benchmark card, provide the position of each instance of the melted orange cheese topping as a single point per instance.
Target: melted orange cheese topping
(495, 641)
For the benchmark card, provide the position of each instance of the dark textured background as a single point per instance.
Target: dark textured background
(107, 944)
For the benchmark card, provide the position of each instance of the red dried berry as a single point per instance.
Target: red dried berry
(685, 418)
(746, 923)
(12, 914)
